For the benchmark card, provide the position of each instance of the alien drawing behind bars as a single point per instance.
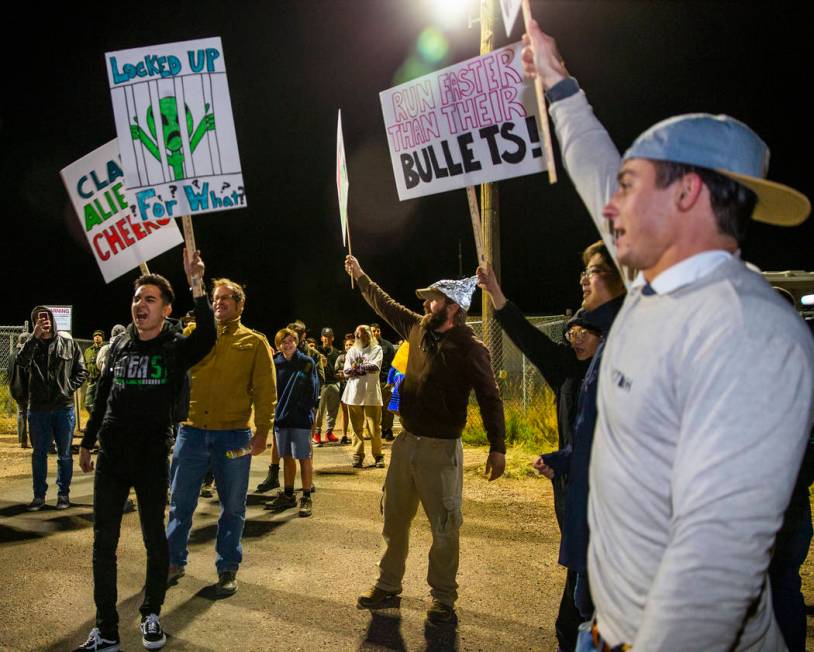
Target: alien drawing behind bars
(171, 133)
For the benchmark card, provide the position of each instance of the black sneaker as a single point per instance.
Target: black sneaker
(357, 463)
(36, 505)
(380, 462)
(305, 506)
(282, 502)
(440, 613)
(96, 643)
(63, 502)
(152, 636)
(227, 583)
(272, 481)
(376, 598)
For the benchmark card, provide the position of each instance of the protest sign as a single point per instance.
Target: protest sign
(470, 123)
(509, 9)
(95, 184)
(176, 131)
(342, 181)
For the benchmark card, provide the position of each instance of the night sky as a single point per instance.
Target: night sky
(291, 65)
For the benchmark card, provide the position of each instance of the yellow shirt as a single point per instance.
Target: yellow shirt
(238, 373)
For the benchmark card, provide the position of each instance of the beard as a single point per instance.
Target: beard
(433, 320)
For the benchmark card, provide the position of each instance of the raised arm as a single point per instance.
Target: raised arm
(588, 153)
(194, 348)
(556, 362)
(401, 319)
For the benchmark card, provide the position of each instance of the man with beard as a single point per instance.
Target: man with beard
(136, 406)
(363, 395)
(446, 363)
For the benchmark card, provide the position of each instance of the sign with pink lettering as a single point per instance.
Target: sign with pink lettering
(471, 123)
(119, 242)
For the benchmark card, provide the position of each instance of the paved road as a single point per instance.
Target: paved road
(300, 576)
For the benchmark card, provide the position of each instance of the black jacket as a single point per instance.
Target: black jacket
(55, 369)
(560, 369)
(138, 392)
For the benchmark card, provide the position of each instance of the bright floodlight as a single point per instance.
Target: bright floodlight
(808, 300)
(450, 14)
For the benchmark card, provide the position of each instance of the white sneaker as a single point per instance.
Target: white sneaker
(152, 636)
(96, 643)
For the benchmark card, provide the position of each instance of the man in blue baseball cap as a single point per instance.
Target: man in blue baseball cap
(705, 390)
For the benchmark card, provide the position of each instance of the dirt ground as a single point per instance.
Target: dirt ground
(300, 577)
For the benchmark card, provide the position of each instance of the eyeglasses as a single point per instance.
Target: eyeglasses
(589, 271)
(577, 334)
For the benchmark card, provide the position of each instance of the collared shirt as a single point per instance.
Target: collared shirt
(693, 397)
(683, 273)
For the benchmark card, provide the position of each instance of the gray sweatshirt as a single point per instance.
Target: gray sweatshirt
(705, 402)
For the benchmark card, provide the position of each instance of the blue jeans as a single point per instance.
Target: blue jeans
(45, 426)
(585, 642)
(195, 450)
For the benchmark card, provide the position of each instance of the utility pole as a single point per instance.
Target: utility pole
(489, 201)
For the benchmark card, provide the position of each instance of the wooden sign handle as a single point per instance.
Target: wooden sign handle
(189, 242)
(477, 229)
(350, 251)
(541, 106)
(189, 234)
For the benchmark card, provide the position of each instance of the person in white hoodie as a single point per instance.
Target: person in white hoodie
(363, 394)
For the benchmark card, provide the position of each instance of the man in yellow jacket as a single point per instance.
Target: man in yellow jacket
(236, 376)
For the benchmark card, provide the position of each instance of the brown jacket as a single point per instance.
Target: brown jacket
(440, 376)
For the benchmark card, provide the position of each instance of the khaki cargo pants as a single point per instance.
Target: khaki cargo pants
(430, 471)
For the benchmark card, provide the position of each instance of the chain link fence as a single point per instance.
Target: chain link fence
(8, 342)
(518, 379)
